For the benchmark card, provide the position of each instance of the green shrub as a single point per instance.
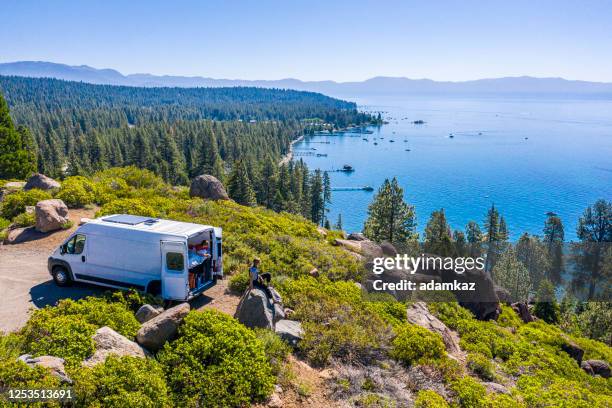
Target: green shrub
(546, 306)
(66, 329)
(11, 345)
(430, 399)
(546, 390)
(239, 281)
(337, 321)
(16, 203)
(275, 348)
(372, 400)
(68, 337)
(509, 318)
(132, 299)
(450, 313)
(134, 206)
(216, 362)
(132, 175)
(414, 344)
(76, 192)
(16, 374)
(24, 220)
(122, 382)
(481, 366)
(470, 394)
(4, 223)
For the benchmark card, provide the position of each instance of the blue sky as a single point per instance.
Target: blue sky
(316, 40)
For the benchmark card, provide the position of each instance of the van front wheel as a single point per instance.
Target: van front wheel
(61, 277)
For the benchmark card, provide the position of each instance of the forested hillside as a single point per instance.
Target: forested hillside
(235, 134)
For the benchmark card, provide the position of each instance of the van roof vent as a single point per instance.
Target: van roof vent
(130, 219)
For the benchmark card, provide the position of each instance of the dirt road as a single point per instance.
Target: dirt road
(24, 280)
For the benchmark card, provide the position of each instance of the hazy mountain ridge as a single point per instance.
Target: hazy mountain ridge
(376, 85)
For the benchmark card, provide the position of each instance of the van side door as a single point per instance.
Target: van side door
(175, 285)
(74, 251)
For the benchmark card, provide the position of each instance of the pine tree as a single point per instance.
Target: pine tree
(326, 193)
(461, 247)
(16, 161)
(338, 225)
(239, 185)
(496, 237)
(511, 274)
(209, 160)
(438, 235)
(317, 202)
(532, 253)
(474, 238)
(589, 255)
(389, 217)
(554, 236)
(269, 179)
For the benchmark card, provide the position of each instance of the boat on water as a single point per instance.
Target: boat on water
(451, 136)
(365, 139)
(391, 141)
(407, 150)
(347, 168)
(375, 144)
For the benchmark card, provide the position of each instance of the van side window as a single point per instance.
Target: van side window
(175, 262)
(76, 245)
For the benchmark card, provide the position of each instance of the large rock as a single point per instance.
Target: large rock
(157, 331)
(388, 249)
(110, 342)
(54, 364)
(496, 388)
(41, 182)
(255, 309)
(419, 314)
(290, 331)
(208, 187)
(596, 367)
(51, 215)
(146, 313)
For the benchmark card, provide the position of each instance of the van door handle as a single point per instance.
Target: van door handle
(83, 258)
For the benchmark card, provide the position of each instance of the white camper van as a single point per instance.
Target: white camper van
(148, 254)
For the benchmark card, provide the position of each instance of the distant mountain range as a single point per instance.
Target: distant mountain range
(373, 86)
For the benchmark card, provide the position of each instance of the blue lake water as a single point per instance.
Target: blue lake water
(526, 155)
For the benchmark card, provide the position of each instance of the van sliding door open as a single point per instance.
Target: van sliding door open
(174, 270)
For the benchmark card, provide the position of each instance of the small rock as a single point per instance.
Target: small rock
(207, 187)
(388, 249)
(419, 314)
(54, 364)
(356, 236)
(275, 401)
(41, 182)
(14, 185)
(162, 328)
(288, 312)
(109, 342)
(314, 273)
(322, 231)
(596, 367)
(146, 313)
(29, 209)
(289, 330)
(51, 215)
(496, 388)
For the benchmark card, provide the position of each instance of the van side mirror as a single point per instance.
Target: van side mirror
(63, 249)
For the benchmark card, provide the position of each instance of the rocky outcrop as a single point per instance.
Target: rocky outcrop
(388, 249)
(364, 248)
(419, 314)
(596, 367)
(522, 310)
(146, 313)
(162, 328)
(51, 215)
(208, 187)
(356, 236)
(109, 342)
(41, 182)
(54, 364)
(255, 309)
(289, 330)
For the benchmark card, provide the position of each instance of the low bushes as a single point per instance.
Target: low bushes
(65, 330)
(122, 382)
(481, 366)
(216, 362)
(77, 191)
(430, 399)
(414, 344)
(450, 313)
(24, 220)
(16, 203)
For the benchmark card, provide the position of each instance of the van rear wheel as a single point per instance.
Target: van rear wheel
(61, 276)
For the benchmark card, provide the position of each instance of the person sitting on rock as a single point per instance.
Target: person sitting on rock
(261, 280)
